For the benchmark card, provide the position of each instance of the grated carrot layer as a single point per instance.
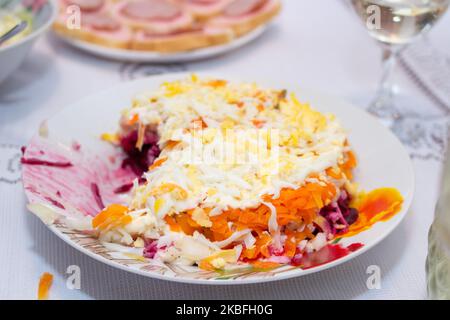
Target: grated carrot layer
(45, 282)
(112, 216)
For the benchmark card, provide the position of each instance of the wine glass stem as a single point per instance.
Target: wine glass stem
(383, 105)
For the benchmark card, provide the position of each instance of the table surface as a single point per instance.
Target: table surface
(317, 44)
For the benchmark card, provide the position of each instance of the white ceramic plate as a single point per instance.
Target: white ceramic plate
(154, 57)
(383, 162)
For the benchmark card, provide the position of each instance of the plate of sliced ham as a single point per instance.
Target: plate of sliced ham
(162, 30)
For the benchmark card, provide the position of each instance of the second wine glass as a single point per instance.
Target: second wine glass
(394, 24)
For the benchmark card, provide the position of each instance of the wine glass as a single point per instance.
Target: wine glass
(395, 24)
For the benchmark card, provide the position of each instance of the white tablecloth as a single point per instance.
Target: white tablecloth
(318, 44)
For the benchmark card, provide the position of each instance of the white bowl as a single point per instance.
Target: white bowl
(11, 56)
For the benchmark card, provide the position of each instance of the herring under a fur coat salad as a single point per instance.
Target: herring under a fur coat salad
(219, 175)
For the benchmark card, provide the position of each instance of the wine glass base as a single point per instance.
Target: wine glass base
(385, 111)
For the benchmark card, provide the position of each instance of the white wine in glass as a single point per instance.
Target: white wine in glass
(395, 23)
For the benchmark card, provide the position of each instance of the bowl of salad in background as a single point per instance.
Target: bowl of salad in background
(39, 14)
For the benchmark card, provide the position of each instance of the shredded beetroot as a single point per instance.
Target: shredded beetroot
(339, 215)
(127, 186)
(38, 162)
(55, 203)
(98, 198)
(139, 160)
(350, 214)
(124, 188)
(150, 248)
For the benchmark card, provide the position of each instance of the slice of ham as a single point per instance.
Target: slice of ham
(109, 34)
(155, 16)
(192, 38)
(204, 2)
(86, 5)
(243, 16)
(151, 10)
(95, 15)
(239, 8)
(97, 27)
(100, 22)
(195, 29)
(204, 9)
